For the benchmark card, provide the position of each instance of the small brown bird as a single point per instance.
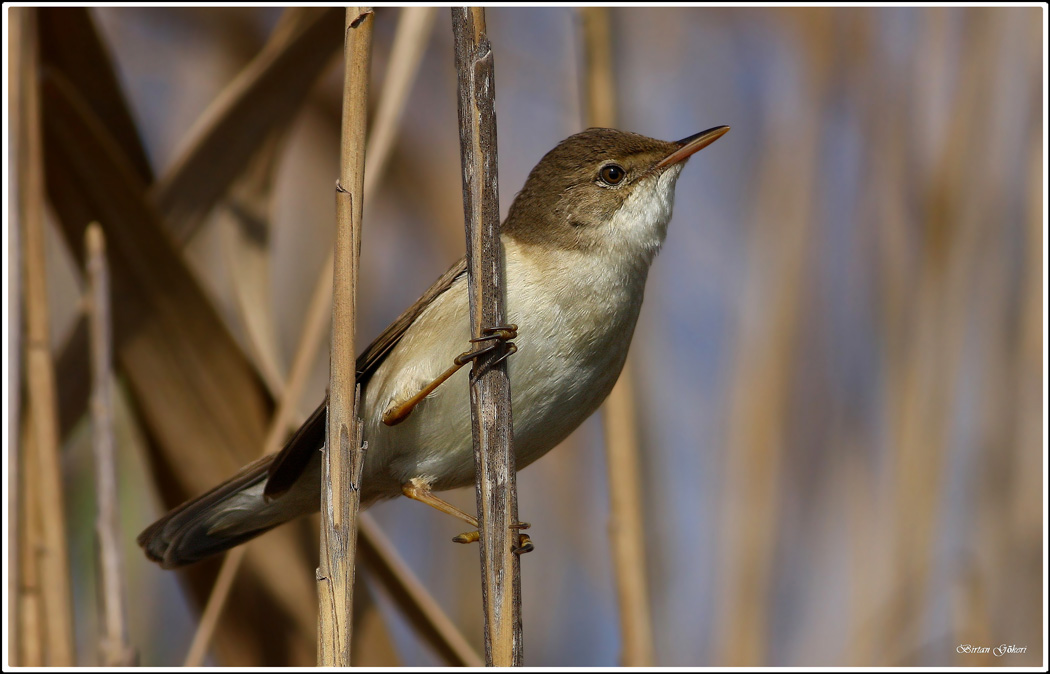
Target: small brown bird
(577, 243)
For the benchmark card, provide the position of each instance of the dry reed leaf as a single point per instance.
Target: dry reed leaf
(244, 218)
(71, 43)
(193, 387)
(87, 175)
(414, 26)
(418, 606)
(265, 95)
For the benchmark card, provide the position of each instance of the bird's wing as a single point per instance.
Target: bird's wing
(290, 463)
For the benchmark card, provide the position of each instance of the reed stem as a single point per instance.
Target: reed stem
(343, 453)
(114, 648)
(52, 554)
(489, 385)
(626, 531)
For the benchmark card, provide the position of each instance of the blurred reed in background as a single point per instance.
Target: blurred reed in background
(838, 367)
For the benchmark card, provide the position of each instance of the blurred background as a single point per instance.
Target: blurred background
(838, 367)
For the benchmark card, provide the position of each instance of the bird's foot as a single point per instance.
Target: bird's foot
(524, 543)
(500, 333)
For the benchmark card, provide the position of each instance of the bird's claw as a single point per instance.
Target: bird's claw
(501, 333)
(524, 545)
(467, 537)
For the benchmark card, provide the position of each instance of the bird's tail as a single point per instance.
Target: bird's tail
(228, 515)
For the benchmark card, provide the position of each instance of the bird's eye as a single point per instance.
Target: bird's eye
(612, 174)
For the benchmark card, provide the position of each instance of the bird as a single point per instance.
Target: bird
(578, 242)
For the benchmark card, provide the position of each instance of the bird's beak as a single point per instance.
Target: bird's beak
(694, 143)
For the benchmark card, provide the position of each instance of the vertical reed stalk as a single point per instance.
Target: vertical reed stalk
(53, 556)
(405, 58)
(618, 416)
(14, 373)
(114, 648)
(489, 385)
(342, 467)
(599, 80)
(30, 610)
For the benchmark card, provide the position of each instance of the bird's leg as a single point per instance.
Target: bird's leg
(398, 412)
(418, 490)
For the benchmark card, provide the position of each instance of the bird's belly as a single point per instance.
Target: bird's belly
(564, 367)
(551, 394)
